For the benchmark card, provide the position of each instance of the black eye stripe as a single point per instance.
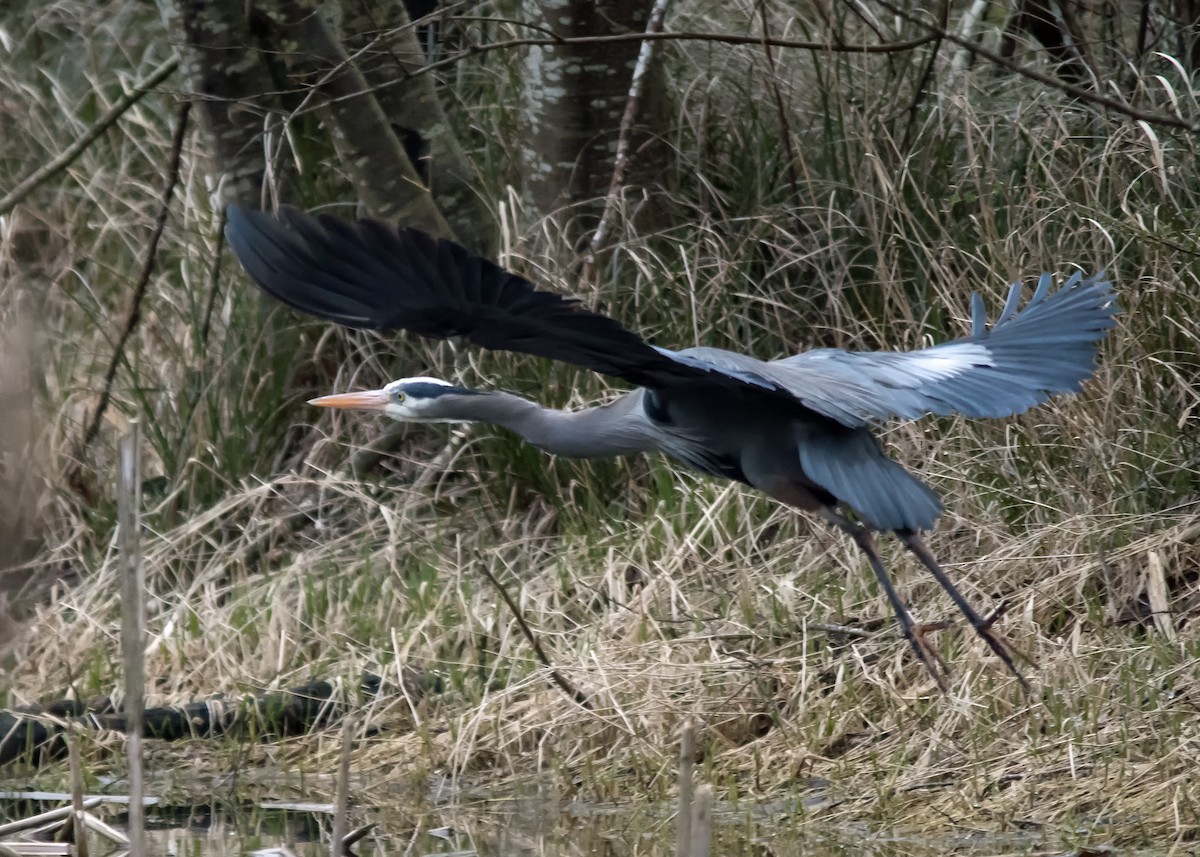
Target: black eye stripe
(426, 390)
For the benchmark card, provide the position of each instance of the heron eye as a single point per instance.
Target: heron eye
(398, 396)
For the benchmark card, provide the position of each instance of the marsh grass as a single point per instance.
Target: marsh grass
(662, 595)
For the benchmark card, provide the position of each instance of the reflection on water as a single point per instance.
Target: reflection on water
(534, 824)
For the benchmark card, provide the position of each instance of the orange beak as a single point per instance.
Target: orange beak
(368, 400)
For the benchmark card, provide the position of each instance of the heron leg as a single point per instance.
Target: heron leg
(915, 634)
(984, 627)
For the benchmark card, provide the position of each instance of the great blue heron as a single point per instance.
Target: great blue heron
(796, 429)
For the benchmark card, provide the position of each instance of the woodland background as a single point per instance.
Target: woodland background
(787, 175)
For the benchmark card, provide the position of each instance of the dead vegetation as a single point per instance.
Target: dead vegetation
(661, 596)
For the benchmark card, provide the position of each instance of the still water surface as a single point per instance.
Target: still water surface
(536, 825)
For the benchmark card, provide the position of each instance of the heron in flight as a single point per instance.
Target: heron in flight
(798, 429)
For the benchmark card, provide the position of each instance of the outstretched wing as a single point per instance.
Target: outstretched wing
(367, 274)
(1046, 348)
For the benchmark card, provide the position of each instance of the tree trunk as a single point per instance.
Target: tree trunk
(369, 150)
(574, 97)
(380, 36)
(1053, 25)
(229, 88)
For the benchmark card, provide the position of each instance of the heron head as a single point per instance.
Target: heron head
(420, 400)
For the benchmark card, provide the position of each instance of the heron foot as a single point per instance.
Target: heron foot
(933, 662)
(984, 626)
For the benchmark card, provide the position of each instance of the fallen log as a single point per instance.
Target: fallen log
(38, 733)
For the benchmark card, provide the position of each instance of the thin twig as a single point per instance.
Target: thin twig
(723, 38)
(139, 293)
(1076, 92)
(621, 163)
(785, 128)
(926, 78)
(558, 678)
(68, 155)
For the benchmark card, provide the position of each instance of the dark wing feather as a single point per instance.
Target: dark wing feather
(368, 275)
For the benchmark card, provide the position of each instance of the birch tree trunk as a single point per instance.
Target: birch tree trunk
(574, 97)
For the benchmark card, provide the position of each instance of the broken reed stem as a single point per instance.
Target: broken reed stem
(43, 819)
(355, 835)
(701, 843)
(342, 802)
(133, 631)
(103, 828)
(78, 831)
(683, 821)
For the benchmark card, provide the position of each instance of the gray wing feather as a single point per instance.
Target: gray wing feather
(742, 367)
(978, 315)
(1047, 347)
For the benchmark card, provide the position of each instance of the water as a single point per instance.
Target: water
(533, 824)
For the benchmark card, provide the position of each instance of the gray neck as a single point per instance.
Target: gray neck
(618, 428)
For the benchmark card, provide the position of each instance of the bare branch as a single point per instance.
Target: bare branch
(564, 684)
(68, 155)
(1076, 92)
(723, 38)
(139, 291)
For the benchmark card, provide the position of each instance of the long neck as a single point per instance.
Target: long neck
(618, 428)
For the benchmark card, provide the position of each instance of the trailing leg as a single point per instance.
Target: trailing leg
(983, 627)
(915, 634)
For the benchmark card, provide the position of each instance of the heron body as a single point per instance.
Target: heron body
(797, 429)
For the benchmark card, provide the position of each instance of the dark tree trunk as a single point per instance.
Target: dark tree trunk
(369, 149)
(1053, 26)
(1187, 18)
(229, 88)
(386, 48)
(392, 140)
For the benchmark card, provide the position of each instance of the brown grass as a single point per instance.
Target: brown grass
(663, 596)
